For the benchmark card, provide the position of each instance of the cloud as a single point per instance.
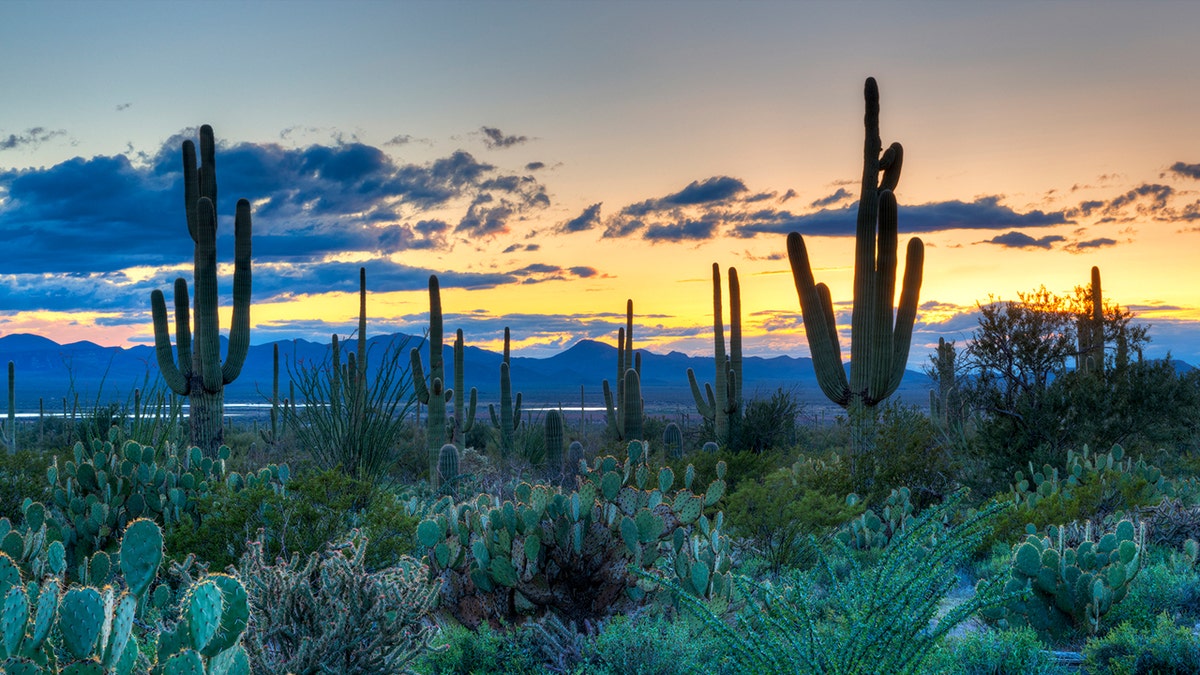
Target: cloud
(30, 138)
(692, 230)
(123, 106)
(985, 213)
(715, 189)
(108, 213)
(399, 139)
(494, 139)
(842, 193)
(535, 166)
(1186, 170)
(1021, 240)
(1095, 243)
(589, 219)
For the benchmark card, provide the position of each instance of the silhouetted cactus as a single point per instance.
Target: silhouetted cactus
(553, 428)
(8, 435)
(626, 360)
(1090, 331)
(199, 373)
(878, 346)
(673, 440)
(464, 415)
(721, 404)
(430, 390)
(509, 417)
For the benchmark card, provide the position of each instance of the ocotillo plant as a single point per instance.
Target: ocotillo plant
(431, 390)
(509, 417)
(8, 435)
(463, 419)
(199, 373)
(1090, 331)
(878, 347)
(723, 404)
(626, 360)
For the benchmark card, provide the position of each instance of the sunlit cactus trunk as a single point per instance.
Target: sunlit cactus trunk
(879, 345)
(198, 373)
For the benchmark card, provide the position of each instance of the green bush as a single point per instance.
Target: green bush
(995, 652)
(318, 507)
(22, 475)
(1158, 588)
(775, 517)
(1163, 649)
(483, 652)
(644, 644)
(908, 453)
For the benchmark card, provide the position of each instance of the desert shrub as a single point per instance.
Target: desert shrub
(328, 613)
(768, 423)
(22, 475)
(908, 453)
(776, 517)
(1162, 649)
(740, 465)
(651, 644)
(1159, 587)
(873, 619)
(487, 651)
(318, 507)
(995, 652)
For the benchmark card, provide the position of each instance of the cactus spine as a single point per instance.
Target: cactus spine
(430, 389)
(1090, 334)
(723, 400)
(199, 373)
(878, 347)
(464, 420)
(509, 417)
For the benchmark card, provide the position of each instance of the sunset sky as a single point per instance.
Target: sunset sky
(549, 160)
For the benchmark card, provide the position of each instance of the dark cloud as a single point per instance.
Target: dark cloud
(1186, 170)
(583, 272)
(493, 138)
(108, 213)
(123, 106)
(30, 138)
(842, 193)
(590, 218)
(399, 139)
(715, 189)
(535, 166)
(1021, 240)
(1095, 243)
(692, 230)
(985, 213)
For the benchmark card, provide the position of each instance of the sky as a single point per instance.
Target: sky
(549, 160)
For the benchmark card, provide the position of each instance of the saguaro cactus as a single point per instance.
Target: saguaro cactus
(1090, 332)
(626, 360)
(464, 419)
(509, 417)
(8, 435)
(553, 431)
(878, 347)
(199, 373)
(431, 390)
(723, 401)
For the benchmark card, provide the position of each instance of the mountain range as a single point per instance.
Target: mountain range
(46, 370)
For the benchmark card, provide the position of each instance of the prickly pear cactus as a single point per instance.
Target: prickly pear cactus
(569, 551)
(97, 493)
(1070, 586)
(875, 530)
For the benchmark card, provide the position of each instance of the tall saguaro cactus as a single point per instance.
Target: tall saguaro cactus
(626, 360)
(1090, 358)
(509, 417)
(724, 400)
(198, 373)
(8, 435)
(431, 390)
(878, 345)
(464, 419)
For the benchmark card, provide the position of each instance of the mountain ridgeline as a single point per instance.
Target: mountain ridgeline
(49, 371)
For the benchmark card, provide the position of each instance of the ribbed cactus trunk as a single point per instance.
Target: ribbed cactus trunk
(626, 359)
(633, 406)
(431, 390)
(198, 373)
(464, 415)
(879, 346)
(9, 437)
(721, 403)
(1090, 329)
(553, 430)
(509, 416)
